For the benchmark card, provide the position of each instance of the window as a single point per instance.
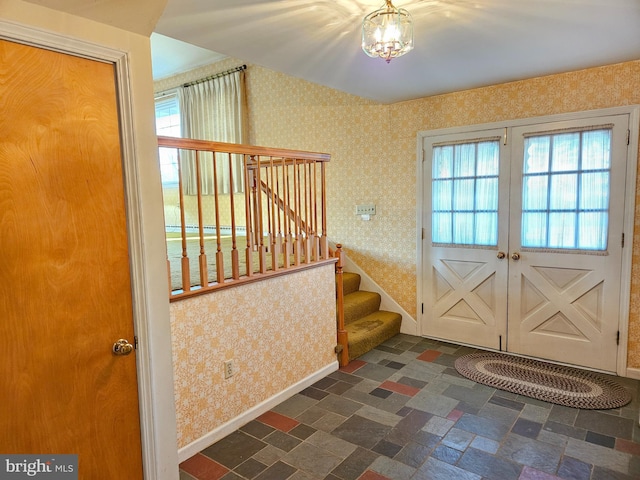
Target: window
(168, 124)
(465, 193)
(565, 197)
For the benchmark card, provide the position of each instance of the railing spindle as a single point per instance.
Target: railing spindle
(184, 261)
(235, 261)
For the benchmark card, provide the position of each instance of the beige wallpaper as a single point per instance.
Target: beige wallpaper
(373, 149)
(275, 331)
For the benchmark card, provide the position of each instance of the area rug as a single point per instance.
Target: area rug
(557, 384)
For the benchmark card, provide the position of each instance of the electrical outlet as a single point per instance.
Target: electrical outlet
(365, 209)
(229, 369)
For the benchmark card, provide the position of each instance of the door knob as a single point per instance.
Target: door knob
(122, 347)
(501, 255)
(515, 256)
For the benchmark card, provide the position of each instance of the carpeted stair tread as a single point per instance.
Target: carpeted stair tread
(360, 304)
(368, 332)
(350, 282)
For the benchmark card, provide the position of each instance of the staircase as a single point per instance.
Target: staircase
(367, 326)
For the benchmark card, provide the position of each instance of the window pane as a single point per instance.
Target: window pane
(463, 194)
(536, 154)
(596, 153)
(590, 223)
(535, 194)
(441, 228)
(488, 159)
(442, 194)
(594, 191)
(564, 192)
(562, 230)
(566, 150)
(487, 194)
(442, 162)
(486, 229)
(465, 160)
(463, 228)
(534, 229)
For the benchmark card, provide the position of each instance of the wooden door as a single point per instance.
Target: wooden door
(566, 225)
(466, 217)
(65, 287)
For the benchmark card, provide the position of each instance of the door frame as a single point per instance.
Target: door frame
(633, 111)
(155, 385)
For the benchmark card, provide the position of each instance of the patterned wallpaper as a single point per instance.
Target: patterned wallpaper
(373, 152)
(274, 330)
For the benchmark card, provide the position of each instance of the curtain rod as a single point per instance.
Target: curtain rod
(217, 75)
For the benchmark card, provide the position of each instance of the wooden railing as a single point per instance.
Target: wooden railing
(274, 223)
(342, 349)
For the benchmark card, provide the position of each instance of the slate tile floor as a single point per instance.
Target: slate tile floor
(402, 412)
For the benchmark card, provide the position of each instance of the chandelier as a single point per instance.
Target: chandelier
(387, 33)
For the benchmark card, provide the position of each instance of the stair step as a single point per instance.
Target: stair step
(370, 331)
(360, 304)
(350, 282)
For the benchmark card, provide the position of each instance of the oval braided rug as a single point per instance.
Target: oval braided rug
(557, 384)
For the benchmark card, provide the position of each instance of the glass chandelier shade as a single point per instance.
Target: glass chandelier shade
(388, 32)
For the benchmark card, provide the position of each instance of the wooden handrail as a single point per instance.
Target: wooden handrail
(284, 199)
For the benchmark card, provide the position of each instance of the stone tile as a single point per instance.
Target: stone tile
(485, 444)
(489, 466)
(600, 473)
(269, 455)
(375, 372)
(506, 402)
(469, 395)
(412, 382)
(339, 388)
(361, 431)
(432, 403)
(438, 426)
(535, 413)
(234, 449)
(229, 476)
(597, 455)
(492, 429)
(325, 382)
(295, 405)
(345, 377)
(329, 422)
(529, 473)
(332, 444)
(498, 413)
(340, 405)
(392, 468)
(552, 438)
(446, 454)
(277, 471)
(561, 414)
(526, 428)
(393, 402)
(315, 393)
(567, 430)
(277, 420)
(302, 431)
(400, 388)
(355, 464)
(573, 469)
(605, 424)
(282, 440)
(599, 439)
(405, 430)
(380, 416)
(311, 416)
(526, 451)
(312, 459)
(202, 467)
(458, 439)
(250, 468)
(388, 449)
(434, 469)
(396, 365)
(414, 454)
(257, 429)
(380, 393)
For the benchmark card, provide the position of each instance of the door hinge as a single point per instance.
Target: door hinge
(422, 234)
(618, 338)
(622, 239)
(135, 342)
(628, 136)
(423, 308)
(504, 137)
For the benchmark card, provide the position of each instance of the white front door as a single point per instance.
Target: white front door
(527, 258)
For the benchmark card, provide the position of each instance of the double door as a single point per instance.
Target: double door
(523, 238)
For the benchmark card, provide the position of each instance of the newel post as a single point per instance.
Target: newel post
(343, 344)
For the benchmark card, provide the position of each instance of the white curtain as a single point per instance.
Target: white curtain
(214, 109)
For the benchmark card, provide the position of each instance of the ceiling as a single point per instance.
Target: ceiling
(459, 44)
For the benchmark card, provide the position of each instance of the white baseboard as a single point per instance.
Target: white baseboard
(234, 424)
(633, 373)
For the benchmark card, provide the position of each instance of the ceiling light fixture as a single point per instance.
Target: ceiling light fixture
(388, 32)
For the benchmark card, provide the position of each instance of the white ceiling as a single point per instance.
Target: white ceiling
(459, 44)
